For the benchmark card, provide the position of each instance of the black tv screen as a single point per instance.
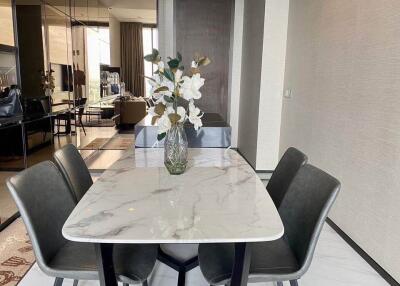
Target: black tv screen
(63, 76)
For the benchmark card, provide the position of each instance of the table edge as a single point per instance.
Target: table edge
(172, 241)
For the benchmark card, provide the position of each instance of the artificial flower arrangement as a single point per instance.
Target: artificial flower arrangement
(169, 84)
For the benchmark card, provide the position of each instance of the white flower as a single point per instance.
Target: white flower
(182, 112)
(161, 66)
(194, 65)
(157, 82)
(164, 124)
(195, 116)
(159, 97)
(190, 87)
(178, 75)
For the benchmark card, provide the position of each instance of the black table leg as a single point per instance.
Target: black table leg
(241, 265)
(24, 147)
(104, 254)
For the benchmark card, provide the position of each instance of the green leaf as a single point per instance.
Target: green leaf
(168, 99)
(154, 57)
(174, 117)
(204, 61)
(161, 88)
(161, 136)
(155, 52)
(149, 57)
(179, 56)
(159, 109)
(173, 63)
(169, 75)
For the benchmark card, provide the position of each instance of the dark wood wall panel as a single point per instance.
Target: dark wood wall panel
(29, 23)
(204, 27)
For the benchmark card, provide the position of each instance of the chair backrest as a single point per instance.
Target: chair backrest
(44, 201)
(284, 173)
(46, 105)
(304, 210)
(74, 170)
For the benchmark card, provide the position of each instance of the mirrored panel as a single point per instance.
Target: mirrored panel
(6, 23)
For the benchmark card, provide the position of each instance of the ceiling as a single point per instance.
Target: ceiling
(131, 4)
(144, 11)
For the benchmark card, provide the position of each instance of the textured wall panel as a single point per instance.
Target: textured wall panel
(343, 66)
(204, 27)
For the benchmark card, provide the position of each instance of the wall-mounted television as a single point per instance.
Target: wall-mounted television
(63, 77)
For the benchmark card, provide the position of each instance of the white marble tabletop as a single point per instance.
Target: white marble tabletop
(218, 199)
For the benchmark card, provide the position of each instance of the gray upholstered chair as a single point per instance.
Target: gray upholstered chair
(284, 174)
(73, 168)
(303, 212)
(45, 202)
(180, 257)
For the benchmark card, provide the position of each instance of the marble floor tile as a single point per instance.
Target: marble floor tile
(335, 264)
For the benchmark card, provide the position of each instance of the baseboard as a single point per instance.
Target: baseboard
(382, 272)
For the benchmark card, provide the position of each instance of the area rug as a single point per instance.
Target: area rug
(115, 143)
(16, 254)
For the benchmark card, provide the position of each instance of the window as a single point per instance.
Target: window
(150, 42)
(98, 46)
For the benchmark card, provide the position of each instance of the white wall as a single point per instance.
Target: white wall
(253, 25)
(343, 66)
(235, 64)
(166, 28)
(272, 78)
(262, 76)
(115, 42)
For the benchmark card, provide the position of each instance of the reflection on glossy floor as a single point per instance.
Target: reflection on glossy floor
(335, 264)
(96, 159)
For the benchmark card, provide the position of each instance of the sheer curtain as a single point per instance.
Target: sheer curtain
(132, 65)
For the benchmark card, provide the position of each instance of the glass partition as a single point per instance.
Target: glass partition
(8, 148)
(6, 23)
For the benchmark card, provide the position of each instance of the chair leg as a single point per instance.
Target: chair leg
(125, 284)
(75, 282)
(293, 283)
(181, 278)
(279, 283)
(83, 127)
(145, 283)
(58, 281)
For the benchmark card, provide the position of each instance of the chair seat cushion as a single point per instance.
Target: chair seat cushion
(267, 259)
(181, 252)
(133, 263)
(75, 261)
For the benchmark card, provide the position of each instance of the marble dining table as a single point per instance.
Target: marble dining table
(219, 199)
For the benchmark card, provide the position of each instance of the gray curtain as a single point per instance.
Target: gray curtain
(132, 65)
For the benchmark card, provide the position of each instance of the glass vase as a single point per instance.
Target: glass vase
(176, 150)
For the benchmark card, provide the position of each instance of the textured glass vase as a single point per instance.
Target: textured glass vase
(176, 150)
